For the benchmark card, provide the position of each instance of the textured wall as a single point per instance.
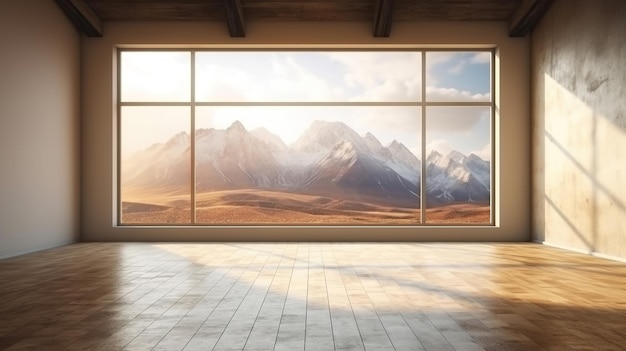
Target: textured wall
(39, 127)
(578, 60)
(99, 118)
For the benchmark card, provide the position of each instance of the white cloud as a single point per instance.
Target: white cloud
(293, 82)
(454, 95)
(454, 119)
(442, 146)
(481, 57)
(223, 83)
(142, 126)
(381, 75)
(365, 76)
(457, 62)
(391, 90)
(155, 76)
(289, 81)
(484, 153)
(465, 129)
(405, 119)
(458, 68)
(439, 57)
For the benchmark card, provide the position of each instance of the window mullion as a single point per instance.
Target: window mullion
(155, 103)
(119, 141)
(423, 141)
(459, 103)
(492, 177)
(305, 104)
(192, 137)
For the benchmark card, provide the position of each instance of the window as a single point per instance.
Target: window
(258, 137)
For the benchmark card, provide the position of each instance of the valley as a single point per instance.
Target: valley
(255, 206)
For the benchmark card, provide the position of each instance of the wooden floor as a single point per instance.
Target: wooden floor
(311, 297)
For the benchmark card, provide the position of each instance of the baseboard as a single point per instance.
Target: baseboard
(609, 257)
(581, 251)
(21, 253)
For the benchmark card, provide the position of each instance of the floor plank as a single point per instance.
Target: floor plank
(313, 296)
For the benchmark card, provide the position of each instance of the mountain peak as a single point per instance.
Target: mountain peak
(456, 155)
(178, 138)
(434, 154)
(236, 126)
(323, 135)
(328, 125)
(372, 142)
(473, 156)
(317, 124)
(398, 146)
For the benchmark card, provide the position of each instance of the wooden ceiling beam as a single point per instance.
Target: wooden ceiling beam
(382, 17)
(526, 16)
(82, 16)
(234, 16)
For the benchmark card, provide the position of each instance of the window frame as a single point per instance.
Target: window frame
(423, 104)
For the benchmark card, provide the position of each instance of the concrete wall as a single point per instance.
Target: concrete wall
(579, 126)
(99, 129)
(39, 127)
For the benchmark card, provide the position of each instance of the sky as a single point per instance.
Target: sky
(317, 77)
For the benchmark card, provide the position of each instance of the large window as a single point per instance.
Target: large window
(305, 137)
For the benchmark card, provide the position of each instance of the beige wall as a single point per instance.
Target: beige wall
(579, 126)
(39, 127)
(99, 145)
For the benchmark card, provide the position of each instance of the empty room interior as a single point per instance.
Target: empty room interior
(313, 175)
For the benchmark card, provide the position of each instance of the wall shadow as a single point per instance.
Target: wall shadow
(579, 126)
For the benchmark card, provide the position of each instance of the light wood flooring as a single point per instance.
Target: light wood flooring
(290, 296)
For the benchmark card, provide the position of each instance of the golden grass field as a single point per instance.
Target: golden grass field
(459, 213)
(263, 207)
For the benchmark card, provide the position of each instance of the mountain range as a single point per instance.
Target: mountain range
(330, 159)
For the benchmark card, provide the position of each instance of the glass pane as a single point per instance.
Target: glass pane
(308, 165)
(458, 76)
(155, 165)
(322, 76)
(161, 76)
(458, 165)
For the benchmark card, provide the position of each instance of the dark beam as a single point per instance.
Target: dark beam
(234, 15)
(82, 16)
(382, 17)
(526, 16)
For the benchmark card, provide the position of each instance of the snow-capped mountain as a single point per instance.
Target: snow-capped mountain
(375, 148)
(272, 140)
(450, 180)
(349, 169)
(163, 165)
(322, 136)
(234, 158)
(480, 168)
(404, 162)
(330, 157)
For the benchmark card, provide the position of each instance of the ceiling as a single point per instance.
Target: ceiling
(301, 10)
(521, 14)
